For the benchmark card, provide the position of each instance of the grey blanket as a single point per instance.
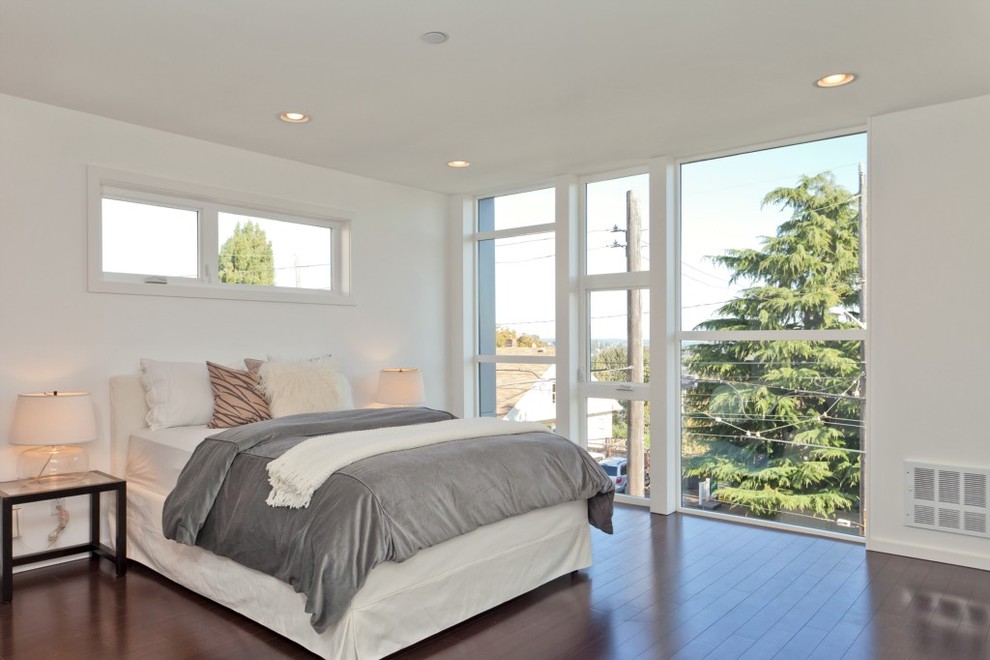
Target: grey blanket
(383, 508)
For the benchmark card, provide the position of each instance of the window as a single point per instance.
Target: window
(617, 321)
(163, 238)
(515, 242)
(144, 237)
(758, 294)
(618, 214)
(772, 342)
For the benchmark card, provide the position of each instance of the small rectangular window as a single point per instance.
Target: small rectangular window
(521, 285)
(164, 238)
(618, 221)
(267, 252)
(619, 335)
(145, 238)
(519, 210)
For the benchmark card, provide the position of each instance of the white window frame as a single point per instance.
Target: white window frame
(676, 336)
(476, 238)
(618, 281)
(208, 202)
(662, 281)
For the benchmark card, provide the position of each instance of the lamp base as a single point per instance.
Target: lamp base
(58, 462)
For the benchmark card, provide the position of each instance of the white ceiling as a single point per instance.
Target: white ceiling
(524, 89)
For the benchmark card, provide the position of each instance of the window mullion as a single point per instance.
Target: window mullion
(209, 244)
(514, 232)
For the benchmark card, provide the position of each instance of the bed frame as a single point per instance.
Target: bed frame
(399, 605)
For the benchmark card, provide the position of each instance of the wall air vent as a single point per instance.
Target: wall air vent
(946, 498)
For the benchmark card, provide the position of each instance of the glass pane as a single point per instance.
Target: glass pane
(771, 239)
(519, 392)
(269, 252)
(519, 210)
(620, 337)
(619, 225)
(516, 295)
(147, 239)
(773, 430)
(619, 439)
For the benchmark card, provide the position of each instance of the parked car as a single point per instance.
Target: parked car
(617, 469)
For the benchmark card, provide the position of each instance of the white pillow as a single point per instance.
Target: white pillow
(304, 386)
(178, 393)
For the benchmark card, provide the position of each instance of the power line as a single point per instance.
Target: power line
(704, 272)
(776, 418)
(755, 437)
(702, 282)
(779, 387)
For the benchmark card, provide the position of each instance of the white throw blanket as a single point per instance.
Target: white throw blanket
(296, 474)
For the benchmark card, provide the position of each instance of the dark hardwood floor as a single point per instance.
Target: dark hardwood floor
(661, 587)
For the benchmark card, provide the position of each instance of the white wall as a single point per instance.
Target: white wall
(56, 335)
(930, 317)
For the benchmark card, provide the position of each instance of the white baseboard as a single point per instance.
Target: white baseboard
(931, 553)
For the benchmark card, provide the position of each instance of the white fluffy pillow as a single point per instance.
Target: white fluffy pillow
(178, 393)
(304, 386)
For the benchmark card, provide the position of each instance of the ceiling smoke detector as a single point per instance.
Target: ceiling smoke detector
(434, 37)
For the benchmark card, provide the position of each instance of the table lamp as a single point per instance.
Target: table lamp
(55, 423)
(401, 387)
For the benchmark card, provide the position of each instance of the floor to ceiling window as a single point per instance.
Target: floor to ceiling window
(516, 307)
(772, 334)
(616, 313)
(757, 328)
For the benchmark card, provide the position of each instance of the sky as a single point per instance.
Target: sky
(721, 209)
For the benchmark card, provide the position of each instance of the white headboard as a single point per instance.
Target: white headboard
(128, 412)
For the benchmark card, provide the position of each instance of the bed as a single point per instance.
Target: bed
(398, 605)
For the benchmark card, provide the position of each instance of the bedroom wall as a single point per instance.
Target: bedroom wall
(930, 359)
(56, 335)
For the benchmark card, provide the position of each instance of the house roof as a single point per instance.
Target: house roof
(514, 379)
(524, 90)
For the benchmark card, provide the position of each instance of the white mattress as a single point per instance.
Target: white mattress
(400, 603)
(155, 458)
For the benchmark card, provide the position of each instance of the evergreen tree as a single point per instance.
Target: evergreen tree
(247, 257)
(743, 394)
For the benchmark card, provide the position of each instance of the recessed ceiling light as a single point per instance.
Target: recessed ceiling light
(458, 163)
(835, 80)
(434, 37)
(294, 117)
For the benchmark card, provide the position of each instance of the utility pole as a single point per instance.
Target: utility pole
(634, 349)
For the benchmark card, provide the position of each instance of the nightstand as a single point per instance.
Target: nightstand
(34, 490)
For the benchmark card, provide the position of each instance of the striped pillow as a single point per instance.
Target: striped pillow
(236, 399)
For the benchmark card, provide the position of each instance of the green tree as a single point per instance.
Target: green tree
(806, 393)
(611, 363)
(505, 336)
(246, 257)
(529, 341)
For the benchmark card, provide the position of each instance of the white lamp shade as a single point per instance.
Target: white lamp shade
(53, 418)
(401, 387)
